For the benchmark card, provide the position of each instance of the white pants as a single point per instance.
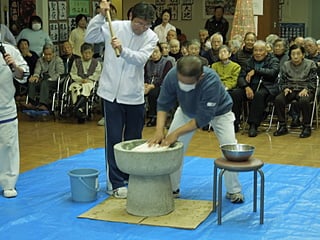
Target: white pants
(224, 130)
(9, 154)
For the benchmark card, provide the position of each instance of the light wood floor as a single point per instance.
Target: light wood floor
(42, 142)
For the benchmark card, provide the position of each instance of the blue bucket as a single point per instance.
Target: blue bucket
(84, 184)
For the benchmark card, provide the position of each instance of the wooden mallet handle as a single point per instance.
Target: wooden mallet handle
(111, 31)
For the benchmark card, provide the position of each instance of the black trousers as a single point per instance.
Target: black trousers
(302, 104)
(257, 104)
(123, 122)
(152, 101)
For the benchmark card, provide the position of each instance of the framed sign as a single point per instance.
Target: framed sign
(174, 11)
(186, 12)
(79, 6)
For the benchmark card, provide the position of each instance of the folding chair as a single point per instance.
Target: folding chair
(315, 107)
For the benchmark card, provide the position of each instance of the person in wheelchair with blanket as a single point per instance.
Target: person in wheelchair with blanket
(85, 72)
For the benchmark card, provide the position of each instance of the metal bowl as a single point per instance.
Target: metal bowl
(237, 152)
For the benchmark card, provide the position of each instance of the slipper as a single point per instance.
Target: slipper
(30, 112)
(42, 113)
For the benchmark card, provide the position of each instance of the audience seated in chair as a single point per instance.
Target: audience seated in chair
(156, 69)
(85, 72)
(234, 45)
(310, 45)
(280, 50)
(174, 46)
(258, 84)
(68, 57)
(204, 41)
(165, 48)
(213, 53)
(245, 53)
(297, 82)
(172, 34)
(193, 48)
(228, 72)
(44, 80)
(31, 58)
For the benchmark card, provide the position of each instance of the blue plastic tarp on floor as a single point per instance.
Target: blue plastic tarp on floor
(44, 208)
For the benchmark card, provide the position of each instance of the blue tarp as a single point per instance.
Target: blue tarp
(44, 209)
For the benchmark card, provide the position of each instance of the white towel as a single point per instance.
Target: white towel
(145, 148)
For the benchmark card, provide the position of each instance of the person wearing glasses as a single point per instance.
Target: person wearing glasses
(121, 85)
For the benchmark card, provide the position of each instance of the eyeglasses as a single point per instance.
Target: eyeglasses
(139, 24)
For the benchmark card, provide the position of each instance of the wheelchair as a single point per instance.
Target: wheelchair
(52, 105)
(66, 107)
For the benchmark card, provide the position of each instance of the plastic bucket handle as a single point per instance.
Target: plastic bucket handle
(90, 188)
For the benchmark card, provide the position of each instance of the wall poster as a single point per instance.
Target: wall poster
(186, 12)
(79, 6)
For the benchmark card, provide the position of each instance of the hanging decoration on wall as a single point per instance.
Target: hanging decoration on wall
(174, 11)
(186, 12)
(174, 5)
(79, 6)
(243, 20)
(20, 12)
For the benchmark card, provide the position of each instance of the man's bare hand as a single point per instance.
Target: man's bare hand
(249, 76)
(249, 93)
(304, 93)
(287, 91)
(34, 79)
(115, 42)
(157, 138)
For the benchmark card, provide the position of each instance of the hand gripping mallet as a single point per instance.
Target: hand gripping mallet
(111, 29)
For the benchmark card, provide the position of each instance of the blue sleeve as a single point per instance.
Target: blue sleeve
(167, 99)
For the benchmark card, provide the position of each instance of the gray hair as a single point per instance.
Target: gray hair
(235, 43)
(310, 39)
(259, 43)
(194, 42)
(48, 46)
(216, 35)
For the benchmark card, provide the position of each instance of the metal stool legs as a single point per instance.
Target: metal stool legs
(219, 183)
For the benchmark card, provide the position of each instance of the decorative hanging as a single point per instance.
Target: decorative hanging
(243, 20)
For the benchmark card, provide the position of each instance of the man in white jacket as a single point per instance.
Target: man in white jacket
(12, 65)
(121, 85)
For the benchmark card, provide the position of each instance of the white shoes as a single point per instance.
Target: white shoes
(120, 192)
(10, 193)
(101, 122)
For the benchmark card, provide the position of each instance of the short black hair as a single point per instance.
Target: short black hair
(34, 19)
(250, 33)
(23, 40)
(86, 46)
(79, 17)
(294, 47)
(166, 11)
(190, 66)
(219, 6)
(144, 11)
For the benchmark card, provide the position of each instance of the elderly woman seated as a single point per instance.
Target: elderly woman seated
(298, 82)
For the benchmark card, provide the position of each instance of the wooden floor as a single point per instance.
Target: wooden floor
(42, 142)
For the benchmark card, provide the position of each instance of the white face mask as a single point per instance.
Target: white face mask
(36, 26)
(186, 87)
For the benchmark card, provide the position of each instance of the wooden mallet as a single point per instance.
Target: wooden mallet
(110, 27)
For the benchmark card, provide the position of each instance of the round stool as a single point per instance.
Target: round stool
(252, 164)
